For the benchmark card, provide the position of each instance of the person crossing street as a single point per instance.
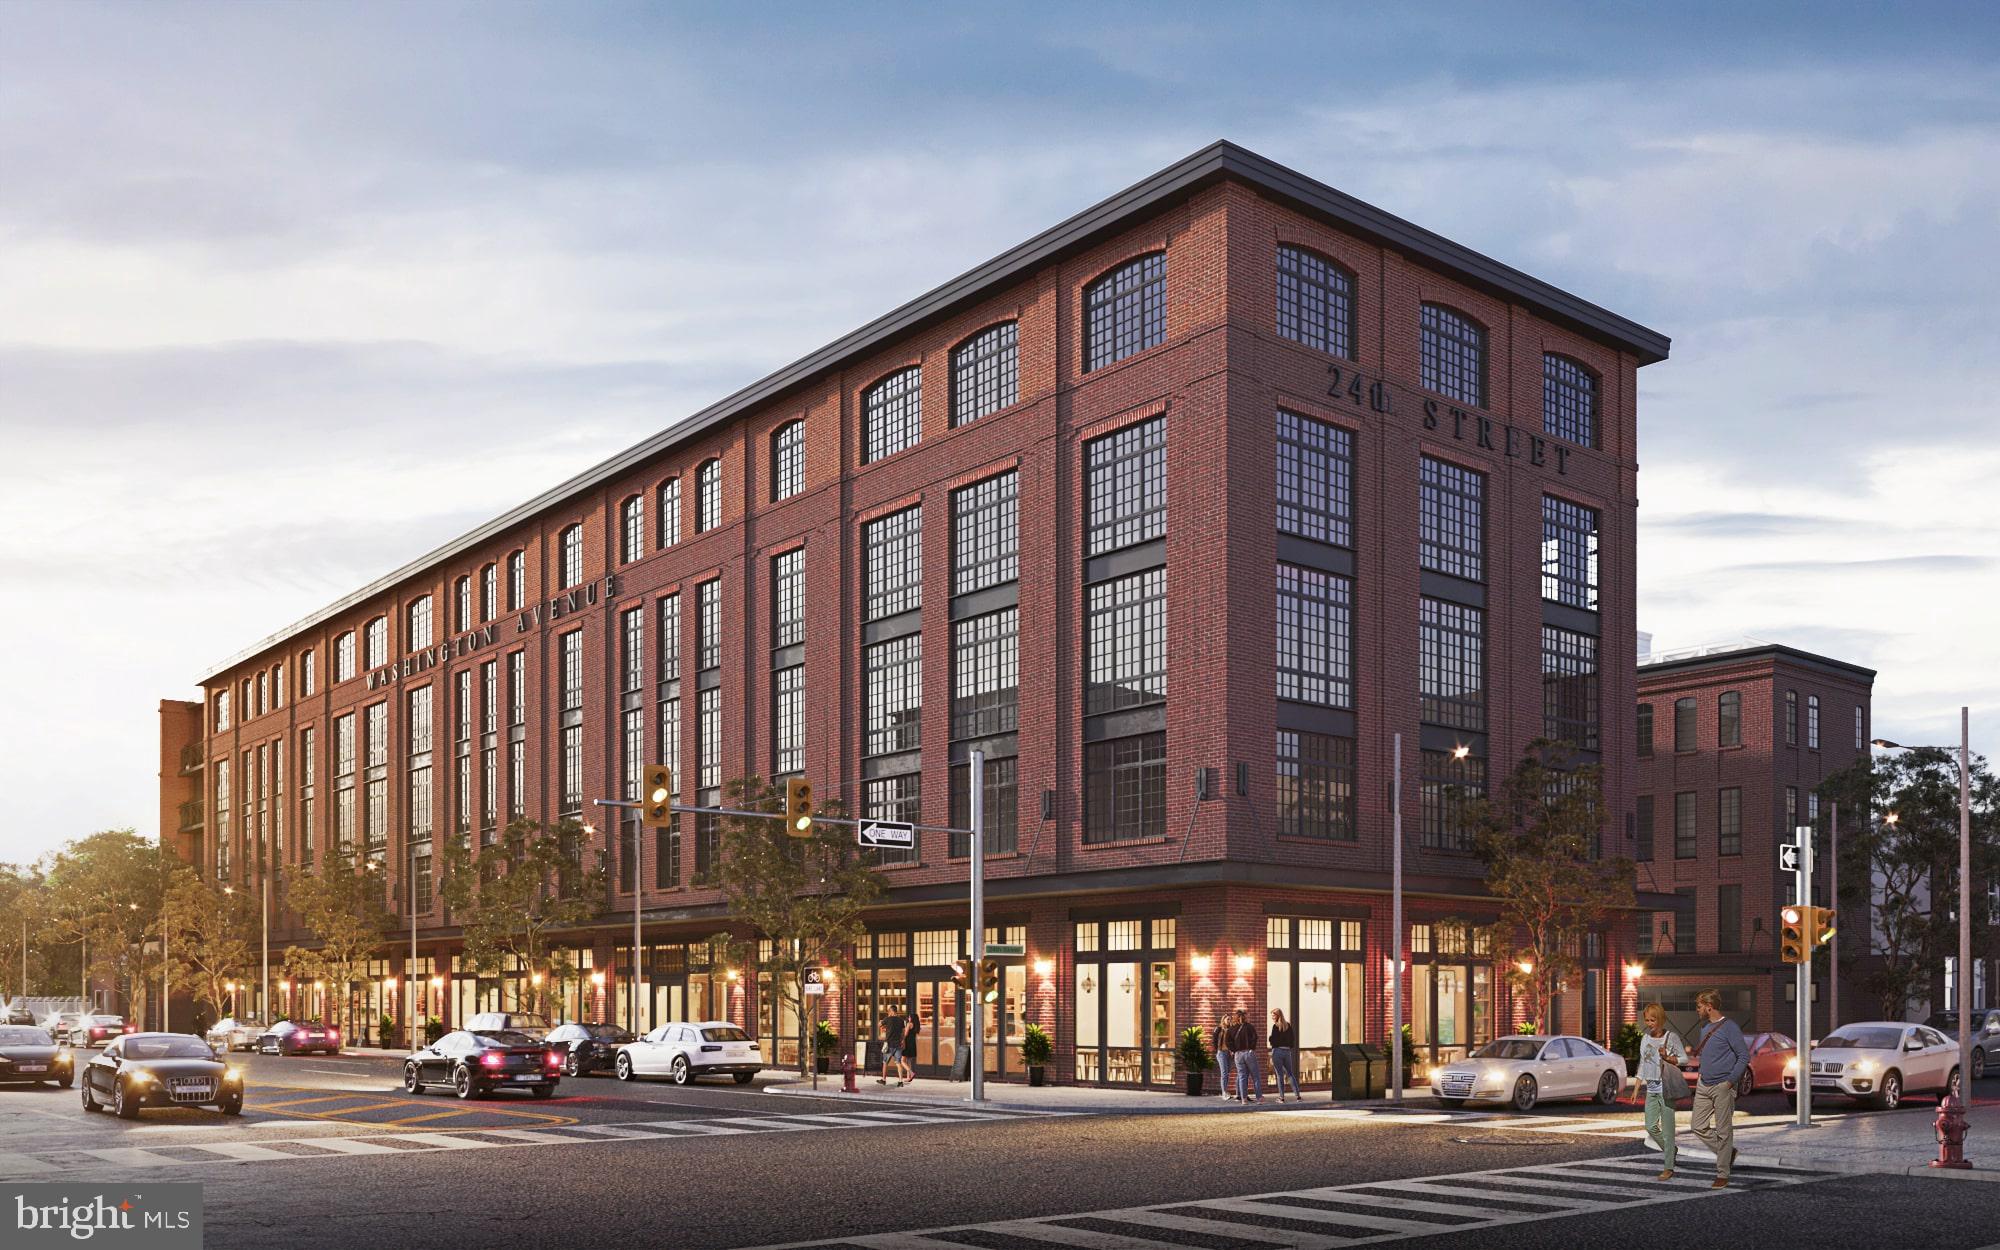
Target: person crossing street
(1723, 1055)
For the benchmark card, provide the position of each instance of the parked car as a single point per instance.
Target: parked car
(235, 1033)
(298, 1037)
(1528, 1069)
(139, 1070)
(685, 1051)
(587, 1048)
(18, 1012)
(95, 1030)
(534, 1024)
(1985, 1034)
(1769, 1053)
(30, 1054)
(57, 1025)
(1879, 1062)
(474, 1063)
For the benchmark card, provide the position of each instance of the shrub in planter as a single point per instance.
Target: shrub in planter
(1195, 1058)
(1036, 1049)
(825, 1042)
(385, 1033)
(1627, 1044)
(433, 1030)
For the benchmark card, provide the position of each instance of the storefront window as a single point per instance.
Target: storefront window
(1313, 974)
(1125, 997)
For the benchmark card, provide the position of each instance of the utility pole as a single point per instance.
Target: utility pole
(266, 1018)
(1396, 925)
(1965, 1003)
(1802, 885)
(1833, 944)
(976, 779)
(166, 982)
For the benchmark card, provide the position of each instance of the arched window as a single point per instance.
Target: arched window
(343, 656)
(1454, 355)
(517, 581)
(670, 512)
(375, 643)
(788, 460)
(572, 555)
(1569, 400)
(1125, 311)
(1315, 302)
(489, 592)
(985, 373)
(632, 529)
(708, 496)
(461, 596)
(418, 621)
(892, 414)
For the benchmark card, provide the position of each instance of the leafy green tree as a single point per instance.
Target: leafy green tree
(103, 892)
(513, 898)
(344, 909)
(1539, 836)
(211, 937)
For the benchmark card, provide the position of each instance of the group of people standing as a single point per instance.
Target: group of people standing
(1236, 1055)
(1722, 1054)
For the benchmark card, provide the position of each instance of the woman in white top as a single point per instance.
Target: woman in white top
(1658, 1047)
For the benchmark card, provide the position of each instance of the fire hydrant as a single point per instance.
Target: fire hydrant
(1951, 1126)
(847, 1085)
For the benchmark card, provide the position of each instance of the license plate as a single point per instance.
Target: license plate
(528, 1078)
(34, 1067)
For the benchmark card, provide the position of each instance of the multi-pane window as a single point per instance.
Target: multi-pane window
(419, 720)
(343, 657)
(420, 623)
(1686, 835)
(222, 705)
(985, 529)
(632, 529)
(1315, 636)
(1451, 522)
(1126, 637)
(1569, 553)
(1729, 919)
(1315, 480)
(278, 686)
(670, 638)
(893, 559)
(984, 374)
(894, 675)
(788, 719)
(1729, 821)
(985, 674)
(892, 414)
(708, 624)
(1569, 687)
(489, 750)
(343, 784)
(1684, 913)
(1791, 718)
(1684, 724)
(707, 496)
(998, 807)
(517, 745)
(375, 643)
(1450, 786)
(572, 769)
(708, 738)
(1125, 311)
(1315, 786)
(1569, 400)
(707, 848)
(632, 648)
(1125, 484)
(670, 511)
(461, 795)
(1729, 719)
(489, 592)
(1860, 730)
(1644, 724)
(788, 460)
(462, 603)
(308, 792)
(517, 581)
(1315, 302)
(633, 743)
(572, 671)
(1451, 664)
(1454, 355)
(788, 598)
(517, 688)
(223, 837)
(1125, 788)
(375, 800)
(1812, 722)
(898, 798)
(670, 739)
(570, 547)
(1642, 827)
(309, 672)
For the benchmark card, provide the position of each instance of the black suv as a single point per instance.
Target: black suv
(1985, 1034)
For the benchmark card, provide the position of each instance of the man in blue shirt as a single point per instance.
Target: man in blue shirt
(1723, 1054)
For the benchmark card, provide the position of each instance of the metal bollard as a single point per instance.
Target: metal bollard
(847, 1085)
(1951, 1126)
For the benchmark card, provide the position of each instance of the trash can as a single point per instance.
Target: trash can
(1349, 1065)
(1376, 1070)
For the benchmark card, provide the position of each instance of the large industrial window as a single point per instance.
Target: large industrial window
(1125, 788)
(1315, 643)
(893, 562)
(1315, 302)
(1569, 400)
(1451, 664)
(1729, 719)
(1453, 355)
(1569, 553)
(1451, 522)
(1450, 786)
(1315, 480)
(1126, 642)
(1125, 484)
(984, 374)
(892, 414)
(985, 674)
(985, 527)
(670, 512)
(708, 624)
(1315, 786)
(1569, 687)
(632, 529)
(788, 598)
(788, 460)
(1125, 311)
(1684, 724)
(708, 496)
(894, 675)
(572, 555)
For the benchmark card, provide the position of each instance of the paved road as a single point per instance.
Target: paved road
(330, 1153)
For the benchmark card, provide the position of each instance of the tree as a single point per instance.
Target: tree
(806, 896)
(211, 934)
(344, 909)
(103, 892)
(1899, 867)
(1539, 837)
(511, 899)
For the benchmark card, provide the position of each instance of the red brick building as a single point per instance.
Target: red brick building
(1732, 743)
(1246, 475)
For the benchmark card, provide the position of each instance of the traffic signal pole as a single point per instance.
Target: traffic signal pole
(977, 781)
(1802, 879)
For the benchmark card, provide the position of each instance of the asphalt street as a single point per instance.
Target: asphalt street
(330, 1152)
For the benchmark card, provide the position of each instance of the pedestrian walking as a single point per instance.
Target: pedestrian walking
(890, 1031)
(1285, 1054)
(1224, 1063)
(1723, 1056)
(1243, 1049)
(1660, 1054)
(913, 1030)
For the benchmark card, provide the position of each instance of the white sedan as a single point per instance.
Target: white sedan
(686, 1051)
(1879, 1062)
(1526, 1069)
(234, 1033)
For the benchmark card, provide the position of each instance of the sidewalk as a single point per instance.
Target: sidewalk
(1898, 1142)
(1046, 1099)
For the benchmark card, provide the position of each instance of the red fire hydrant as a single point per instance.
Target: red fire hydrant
(1950, 1125)
(847, 1085)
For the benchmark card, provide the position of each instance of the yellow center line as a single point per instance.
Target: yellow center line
(328, 1115)
(447, 1115)
(302, 1102)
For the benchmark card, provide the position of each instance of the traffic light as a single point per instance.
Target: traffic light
(1794, 923)
(965, 975)
(656, 796)
(798, 807)
(1820, 926)
(989, 981)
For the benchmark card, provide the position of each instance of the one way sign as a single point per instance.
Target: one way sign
(1788, 856)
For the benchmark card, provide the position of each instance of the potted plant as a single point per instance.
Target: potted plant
(825, 1042)
(1627, 1044)
(1195, 1058)
(1036, 1048)
(433, 1030)
(386, 1032)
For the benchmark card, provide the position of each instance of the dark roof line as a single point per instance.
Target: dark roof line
(1176, 182)
(1724, 659)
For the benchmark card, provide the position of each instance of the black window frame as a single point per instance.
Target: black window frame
(1729, 719)
(1687, 722)
(1314, 786)
(1126, 778)
(1451, 519)
(892, 414)
(985, 373)
(1729, 820)
(1687, 824)
(986, 533)
(788, 459)
(708, 495)
(1569, 399)
(1119, 675)
(1315, 301)
(1451, 664)
(1125, 311)
(1452, 354)
(1570, 541)
(632, 529)
(1125, 486)
(1571, 687)
(1643, 727)
(569, 546)
(892, 563)
(1315, 483)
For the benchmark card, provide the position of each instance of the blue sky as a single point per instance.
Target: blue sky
(293, 293)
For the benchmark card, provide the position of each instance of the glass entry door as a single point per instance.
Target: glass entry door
(937, 1003)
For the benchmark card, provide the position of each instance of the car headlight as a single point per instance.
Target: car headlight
(138, 1077)
(1791, 1067)
(1864, 1067)
(232, 1074)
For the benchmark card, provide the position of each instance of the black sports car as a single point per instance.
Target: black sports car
(29, 1054)
(298, 1037)
(587, 1048)
(475, 1063)
(142, 1070)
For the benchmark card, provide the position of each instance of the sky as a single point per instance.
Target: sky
(291, 294)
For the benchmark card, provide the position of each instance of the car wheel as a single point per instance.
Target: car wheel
(412, 1082)
(464, 1085)
(624, 1067)
(1525, 1094)
(1951, 1086)
(1607, 1088)
(569, 1067)
(744, 1078)
(233, 1107)
(544, 1092)
(1891, 1095)
(682, 1073)
(1746, 1084)
(66, 1080)
(1453, 1103)
(123, 1105)
(1978, 1065)
(89, 1099)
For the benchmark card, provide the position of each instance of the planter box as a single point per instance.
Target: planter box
(1194, 1084)
(1037, 1077)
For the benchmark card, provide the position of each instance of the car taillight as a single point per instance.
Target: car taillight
(333, 1035)
(554, 1060)
(492, 1059)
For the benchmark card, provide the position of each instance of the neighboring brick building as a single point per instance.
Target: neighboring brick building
(1246, 475)
(1732, 742)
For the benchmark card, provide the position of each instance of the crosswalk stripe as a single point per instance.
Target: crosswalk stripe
(16, 1165)
(1353, 1219)
(529, 1136)
(448, 1141)
(126, 1157)
(1191, 1223)
(1490, 1195)
(349, 1146)
(1062, 1234)
(241, 1150)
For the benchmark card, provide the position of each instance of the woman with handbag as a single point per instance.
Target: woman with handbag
(1660, 1054)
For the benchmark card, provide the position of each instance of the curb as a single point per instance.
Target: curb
(1200, 1105)
(1847, 1167)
